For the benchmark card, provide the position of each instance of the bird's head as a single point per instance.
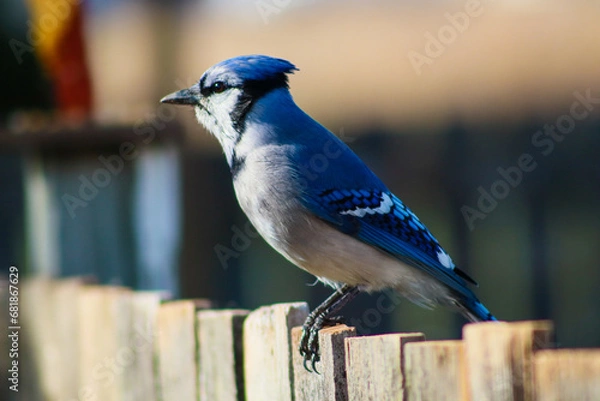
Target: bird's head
(227, 91)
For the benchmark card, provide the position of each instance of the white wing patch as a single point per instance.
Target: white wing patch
(384, 207)
(445, 259)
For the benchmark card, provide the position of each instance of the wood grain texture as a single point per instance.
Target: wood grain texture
(142, 376)
(567, 374)
(220, 354)
(374, 366)
(500, 356)
(268, 351)
(178, 350)
(330, 384)
(36, 319)
(104, 351)
(435, 370)
(65, 294)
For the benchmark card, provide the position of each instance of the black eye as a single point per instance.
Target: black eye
(218, 87)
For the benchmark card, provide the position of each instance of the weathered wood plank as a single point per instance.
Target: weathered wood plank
(567, 374)
(220, 355)
(375, 366)
(141, 377)
(37, 329)
(435, 370)
(178, 350)
(66, 332)
(104, 321)
(330, 383)
(499, 358)
(268, 351)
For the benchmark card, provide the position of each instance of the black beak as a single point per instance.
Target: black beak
(184, 96)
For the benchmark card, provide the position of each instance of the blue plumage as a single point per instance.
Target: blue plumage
(394, 229)
(256, 67)
(239, 70)
(314, 200)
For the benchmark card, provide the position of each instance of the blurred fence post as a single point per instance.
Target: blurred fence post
(567, 375)
(142, 375)
(500, 358)
(104, 348)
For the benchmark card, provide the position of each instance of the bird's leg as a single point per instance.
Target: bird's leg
(309, 343)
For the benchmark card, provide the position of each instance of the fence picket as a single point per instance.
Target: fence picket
(112, 343)
(65, 315)
(220, 354)
(434, 370)
(177, 349)
(567, 374)
(499, 358)
(141, 375)
(104, 317)
(374, 366)
(267, 351)
(330, 384)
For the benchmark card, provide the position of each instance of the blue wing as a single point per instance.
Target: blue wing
(380, 219)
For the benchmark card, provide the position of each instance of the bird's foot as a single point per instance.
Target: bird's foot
(319, 318)
(309, 342)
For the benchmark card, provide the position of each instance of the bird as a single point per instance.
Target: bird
(315, 201)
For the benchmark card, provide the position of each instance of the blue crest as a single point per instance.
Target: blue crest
(254, 67)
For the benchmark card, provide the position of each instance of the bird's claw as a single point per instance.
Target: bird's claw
(309, 342)
(321, 316)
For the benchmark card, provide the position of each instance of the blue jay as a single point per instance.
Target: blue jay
(314, 200)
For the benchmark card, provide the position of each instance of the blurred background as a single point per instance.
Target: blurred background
(484, 117)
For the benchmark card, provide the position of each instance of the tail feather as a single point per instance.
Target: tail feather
(474, 311)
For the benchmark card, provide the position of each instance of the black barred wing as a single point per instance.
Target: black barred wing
(381, 219)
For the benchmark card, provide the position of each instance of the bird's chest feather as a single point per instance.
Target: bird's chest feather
(267, 193)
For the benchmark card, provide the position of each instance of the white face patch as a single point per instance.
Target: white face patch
(214, 114)
(445, 260)
(384, 207)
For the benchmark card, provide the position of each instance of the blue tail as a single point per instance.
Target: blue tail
(474, 311)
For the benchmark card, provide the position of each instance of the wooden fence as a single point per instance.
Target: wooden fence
(111, 343)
